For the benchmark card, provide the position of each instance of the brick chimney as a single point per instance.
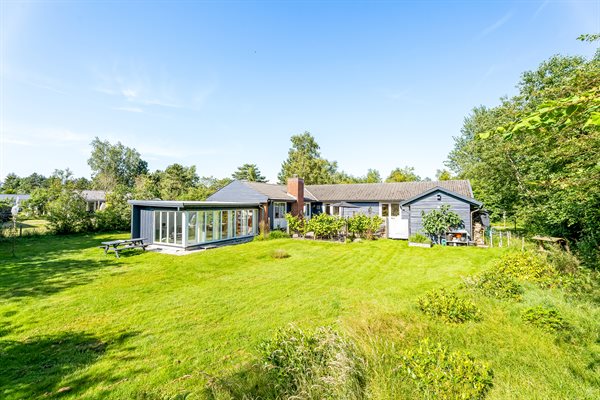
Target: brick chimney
(295, 187)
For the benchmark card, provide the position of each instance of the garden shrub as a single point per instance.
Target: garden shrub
(441, 374)
(68, 213)
(528, 267)
(280, 253)
(278, 235)
(547, 319)
(419, 238)
(492, 283)
(320, 364)
(364, 226)
(448, 306)
(325, 226)
(296, 224)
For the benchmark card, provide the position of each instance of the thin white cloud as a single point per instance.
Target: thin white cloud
(496, 25)
(540, 8)
(135, 85)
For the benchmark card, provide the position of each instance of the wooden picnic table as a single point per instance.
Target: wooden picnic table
(118, 245)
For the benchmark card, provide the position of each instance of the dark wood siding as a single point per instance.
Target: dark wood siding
(147, 225)
(431, 202)
(366, 208)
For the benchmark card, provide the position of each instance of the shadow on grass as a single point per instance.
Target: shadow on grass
(45, 277)
(46, 265)
(249, 382)
(38, 366)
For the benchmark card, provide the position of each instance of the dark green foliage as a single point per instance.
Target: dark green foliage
(305, 161)
(495, 284)
(418, 238)
(68, 213)
(528, 267)
(547, 319)
(275, 234)
(325, 226)
(248, 172)
(439, 373)
(406, 174)
(363, 226)
(295, 224)
(439, 222)
(538, 162)
(114, 164)
(448, 306)
(320, 364)
(116, 215)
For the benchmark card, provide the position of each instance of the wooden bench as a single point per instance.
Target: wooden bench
(117, 246)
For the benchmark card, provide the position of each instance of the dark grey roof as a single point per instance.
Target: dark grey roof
(467, 199)
(384, 191)
(93, 195)
(277, 192)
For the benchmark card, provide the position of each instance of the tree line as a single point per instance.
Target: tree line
(535, 157)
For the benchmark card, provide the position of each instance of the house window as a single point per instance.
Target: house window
(385, 210)
(307, 210)
(395, 210)
(279, 210)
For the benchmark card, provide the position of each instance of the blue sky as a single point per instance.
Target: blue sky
(219, 84)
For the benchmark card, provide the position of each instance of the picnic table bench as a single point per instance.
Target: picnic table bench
(119, 245)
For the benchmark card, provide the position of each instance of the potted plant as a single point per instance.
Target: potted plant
(418, 240)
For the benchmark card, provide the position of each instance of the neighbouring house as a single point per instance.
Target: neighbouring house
(95, 199)
(235, 211)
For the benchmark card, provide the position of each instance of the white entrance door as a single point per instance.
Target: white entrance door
(397, 228)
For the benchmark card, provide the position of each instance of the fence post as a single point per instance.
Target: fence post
(500, 244)
(491, 238)
(522, 243)
(508, 239)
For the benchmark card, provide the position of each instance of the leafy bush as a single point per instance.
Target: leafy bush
(295, 224)
(495, 284)
(448, 306)
(364, 226)
(527, 267)
(68, 213)
(325, 226)
(548, 319)
(439, 222)
(116, 215)
(315, 365)
(418, 238)
(441, 374)
(278, 235)
(280, 253)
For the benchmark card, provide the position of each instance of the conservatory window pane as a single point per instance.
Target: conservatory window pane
(209, 226)
(224, 224)
(157, 226)
(250, 222)
(192, 219)
(178, 227)
(238, 223)
(164, 225)
(217, 225)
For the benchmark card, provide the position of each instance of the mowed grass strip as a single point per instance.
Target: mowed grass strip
(157, 326)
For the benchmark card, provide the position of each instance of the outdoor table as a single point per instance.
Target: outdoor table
(119, 245)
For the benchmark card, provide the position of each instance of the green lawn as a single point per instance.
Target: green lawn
(158, 326)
